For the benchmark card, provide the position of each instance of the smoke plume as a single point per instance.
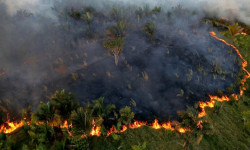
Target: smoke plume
(44, 48)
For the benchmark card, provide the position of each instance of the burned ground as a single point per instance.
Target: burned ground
(181, 65)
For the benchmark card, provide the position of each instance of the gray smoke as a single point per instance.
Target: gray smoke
(44, 49)
(230, 9)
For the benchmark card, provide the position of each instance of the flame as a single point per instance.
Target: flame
(95, 131)
(199, 124)
(11, 126)
(124, 128)
(183, 130)
(137, 124)
(224, 98)
(167, 126)
(235, 96)
(66, 125)
(156, 125)
(243, 33)
(112, 130)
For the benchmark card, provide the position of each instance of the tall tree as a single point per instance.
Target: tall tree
(116, 40)
(46, 113)
(115, 45)
(81, 120)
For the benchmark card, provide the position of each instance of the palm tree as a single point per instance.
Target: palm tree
(116, 40)
(46, 113)
(235, 29)
(81, 120)
(99, 110)
(115, 45)
(118, 30)
(64, 104)
(126, 115)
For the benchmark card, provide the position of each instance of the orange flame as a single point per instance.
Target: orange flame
(11, 126)
(137, 124)
(112, 130)
(167, 126)
(235, 96)
(124, 128)
(66, 125)
(183, 130)
(224, 98)
(243, 33)
(156, 125)
(199, 124)
(96, 131)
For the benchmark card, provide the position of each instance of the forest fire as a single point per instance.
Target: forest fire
(211, 103)
(10, 127)
(137, 124)
(224, 98)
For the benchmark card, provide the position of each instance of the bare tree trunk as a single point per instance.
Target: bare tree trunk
(116, 59)
(116, 55)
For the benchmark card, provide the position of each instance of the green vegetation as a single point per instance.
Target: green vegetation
(46, 128)
(225, 127)
(116, 40)
(235, 29)
(150, 30)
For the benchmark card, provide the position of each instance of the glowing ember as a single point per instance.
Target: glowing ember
(156, 125)
(182, 130)
(235, 96)
(199, 124)
(96, 131)
(243, 33)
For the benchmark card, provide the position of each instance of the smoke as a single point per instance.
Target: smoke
(231, 9)
(44, 48)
